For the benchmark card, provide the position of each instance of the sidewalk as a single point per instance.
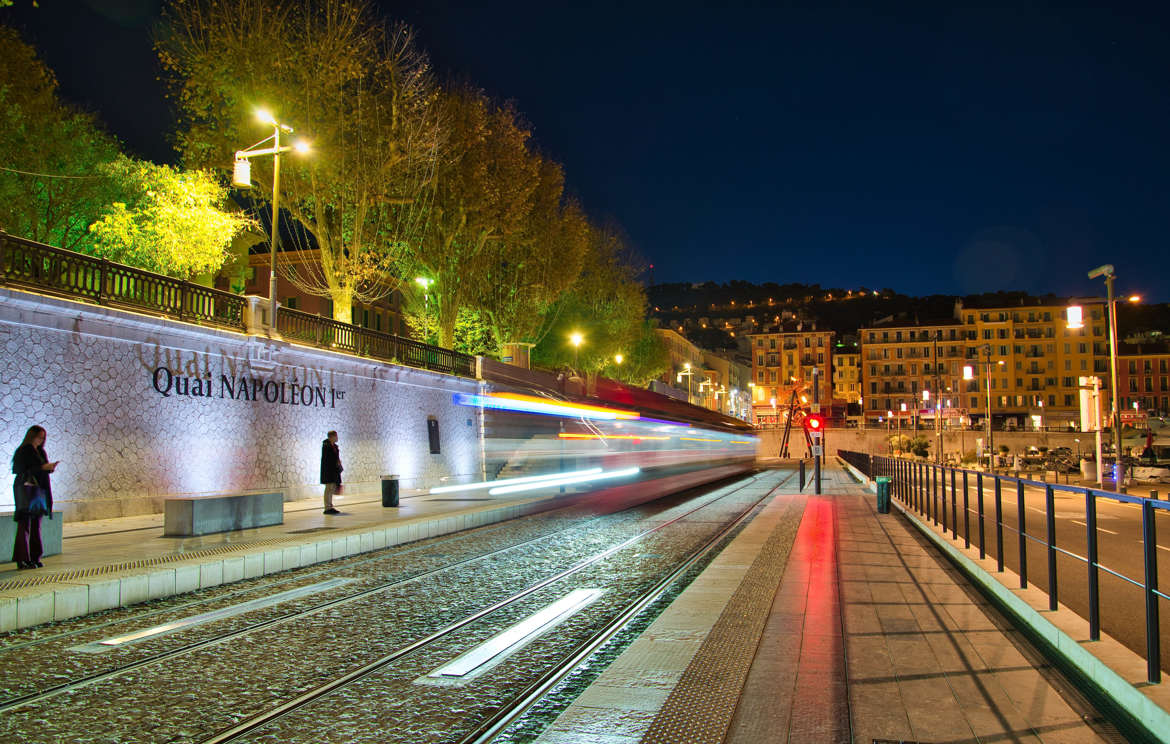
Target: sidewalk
(826, 622)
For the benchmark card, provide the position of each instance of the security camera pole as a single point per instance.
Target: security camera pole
(1119, 473)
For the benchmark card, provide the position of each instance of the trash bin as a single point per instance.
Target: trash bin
(389, 490)
(883, 494)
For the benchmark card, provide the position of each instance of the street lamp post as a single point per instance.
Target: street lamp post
(426, 283)
(242, 177)
(1119, 467)
(575, 338)
(969, 374)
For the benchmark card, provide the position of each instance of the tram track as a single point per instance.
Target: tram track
(533, 692)
(33, 699)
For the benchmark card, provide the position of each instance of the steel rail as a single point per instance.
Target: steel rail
(262, 719)
(163, 656)
(538, 689)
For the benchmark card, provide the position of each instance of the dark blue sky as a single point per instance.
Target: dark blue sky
(916, 146)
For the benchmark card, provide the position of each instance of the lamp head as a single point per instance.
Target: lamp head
(1106, 271)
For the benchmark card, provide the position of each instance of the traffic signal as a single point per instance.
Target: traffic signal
(814, 423)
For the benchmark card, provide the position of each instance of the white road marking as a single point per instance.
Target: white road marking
(1099, 529)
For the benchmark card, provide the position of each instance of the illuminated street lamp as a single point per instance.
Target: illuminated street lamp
(575, 338)
(242, 177)
(425, 283)
(618, 359)
(1106, 271)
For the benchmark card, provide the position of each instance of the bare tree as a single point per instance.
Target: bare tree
(359, 90)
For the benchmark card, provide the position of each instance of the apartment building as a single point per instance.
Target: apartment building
(1143, 375)
(783, 358)
(909, 369)
(847, 373)
(1032, 360)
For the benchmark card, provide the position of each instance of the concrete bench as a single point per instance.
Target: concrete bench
(50, 535)
(188, 516)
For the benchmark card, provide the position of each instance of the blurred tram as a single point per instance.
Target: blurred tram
(542, 436)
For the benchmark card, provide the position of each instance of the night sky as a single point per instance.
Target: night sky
(923, 148)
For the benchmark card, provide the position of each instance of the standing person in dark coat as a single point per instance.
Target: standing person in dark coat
(31, 465)
(331, 470)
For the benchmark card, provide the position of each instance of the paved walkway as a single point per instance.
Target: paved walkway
(854, 630)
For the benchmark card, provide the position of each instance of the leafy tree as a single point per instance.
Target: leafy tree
(51, 185)
(606, 305)
(361, 91)
(527, 273)
(169, 221)
(646, 359)
(482, 194)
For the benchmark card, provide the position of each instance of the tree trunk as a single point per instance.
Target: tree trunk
(342, 298)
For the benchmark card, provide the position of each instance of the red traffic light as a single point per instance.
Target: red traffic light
(814, 422)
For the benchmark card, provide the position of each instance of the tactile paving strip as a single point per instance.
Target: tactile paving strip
(83, 573)
(700, 707)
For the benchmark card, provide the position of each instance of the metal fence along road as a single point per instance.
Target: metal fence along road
(955, 497)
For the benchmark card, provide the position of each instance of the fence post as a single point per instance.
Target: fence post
(1150, 549)
(998, 522)
(1022, 534)
(966, 512)
(1050, 517)
(954, 508)
(1091, 542)
(933, 481)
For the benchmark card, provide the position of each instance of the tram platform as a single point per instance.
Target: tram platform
(824, 621)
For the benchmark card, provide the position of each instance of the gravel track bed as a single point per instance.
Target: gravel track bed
(213, 688)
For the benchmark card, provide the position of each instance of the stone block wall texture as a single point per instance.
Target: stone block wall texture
(116, 392)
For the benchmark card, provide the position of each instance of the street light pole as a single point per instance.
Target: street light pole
(1119, 463)
(242, 178)
(990, 432)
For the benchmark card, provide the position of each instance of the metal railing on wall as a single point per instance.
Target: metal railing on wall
(326, 333)
(30, 265)
(25, 264)
(922, 488)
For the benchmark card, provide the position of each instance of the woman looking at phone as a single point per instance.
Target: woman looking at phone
(32, 495)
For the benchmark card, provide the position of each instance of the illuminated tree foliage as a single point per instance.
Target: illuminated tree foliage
(51, 185)
(528, 272)
(359, 90)
(607, 306)
(170, 221)
(482, 195)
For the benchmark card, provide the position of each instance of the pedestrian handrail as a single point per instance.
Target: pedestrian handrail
(30, 265)
(26, 264)
(921, 487)
(326, 333)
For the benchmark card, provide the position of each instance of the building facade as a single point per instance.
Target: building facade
(1143, 375)
(1033, 361)
(846, 375)
(783, 359)
(913, 371)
